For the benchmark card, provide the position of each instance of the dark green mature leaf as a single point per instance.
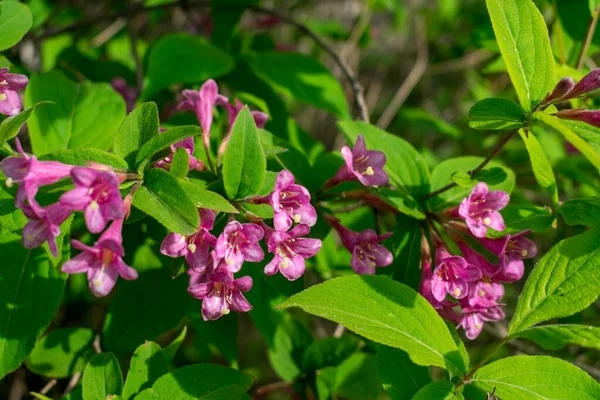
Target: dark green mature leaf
(387, 312)
(30, 290)
(163, 198)
(289, 342)
(542, 169)
(201, 381)
(539, 377)
(83, 114)
(563, 282)
(402, 202)
(492, 176)
(519, 217)
(140, 311)
(406, 168)
(62, 352)
(163, 141)
(102, 377)
(555, 337)
(206, 199)
(356, 378)
(584, 212)
(491, 114)
(11, 218)
(183, 58)
(147, 365)
(171, 349)
(10, 126)
(244, 162)
(525, 46)
(302, 78)
(221, 333)
(405, 245)
(439, 390)
(138, 127)
(400, 377)
(83, 156)
(15, 21)
(328, 352)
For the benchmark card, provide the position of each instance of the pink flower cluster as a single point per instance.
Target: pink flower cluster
(470, 282)
(96, 193)
(10, 85)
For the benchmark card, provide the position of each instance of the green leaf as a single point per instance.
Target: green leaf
(356, 378)
(403, 202)
(584, 212)
(11, 218)
(491, 176)
(562, 283)
(525, 46)
(400, 377)
(183, 58)
(221, 333)
(519, 217)
(163, 141)
(102, 377)
(83, 114)
(139, 126)
(244, 162)
(11, 126)
(289, 341)
(489, 114)
(328, 352)
(542, 169)
(15, 21)
(539, 377)
(584, 147)
(387, 312)
(302, 78)
(406, 168)
(30, 290)
(180, 164)
(203, 198)
(555, 337)
(83, 156)
(137, 313)
(163, 199)
(405, 245)
(147, 365)
(202, 381)
(62, 352)
(439, 390)
(171, 349)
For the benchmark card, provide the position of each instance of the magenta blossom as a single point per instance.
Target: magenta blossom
(195, 247)
(472, 257)
(484, 293)
(362, 164)
(590, 117)
(452, 275)
(220, 293)
(97, 193)
(129, 93)
(290, 202)
(46, 228)
(188, 145)
(290, 250)
(474, 317)
(587, 84)
(10, 84)
(512, 250)
(238, 243)
(103, 262)
(202, 103)
(444, 307)
(480, 209)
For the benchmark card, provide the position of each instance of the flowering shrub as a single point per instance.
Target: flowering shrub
(194, 170)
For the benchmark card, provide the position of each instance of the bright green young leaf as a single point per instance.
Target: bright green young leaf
(401, 201)
(171, 349)
(584, 212)
(83, 114)
(563, 282)
(62, 352)
(387, 312)
(244, 162)
(206, 199)
(180, 164)
(15, 21)
(328, 352)
(83, 156)
(183, 58)
(525, 46)
(589, 133)
(102, 377)
(400, 377)
(302, 78)
(555, 337)
(536, 377)
(542, 169)
(439, 390)
(147, 365)
(163, 141)
(10, 126)
(30, 290)
(163, 198)
(406, 168)
(490, 114)
(139, 126)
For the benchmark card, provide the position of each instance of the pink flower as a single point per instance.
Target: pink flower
(474, 317)
(46, 227)
(444, 307)
(472, 257)
(587, 84)
(103, 262)
(97, 193)
(562, 88)
(129, 93)
(290, 202)
(188, 145)
(10, 84)
(202, 103)
(362, 164)
(452, 275)
(480, 209)
(220, 293)
(590, 117)
(238, 243)
(290, 251)
(196, 247)
(512, 250)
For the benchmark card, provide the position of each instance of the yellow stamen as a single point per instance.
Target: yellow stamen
(297, 218)
(481, 293)
(284, 264)
(457, 292)
(225, 311)
(192, 248)
(524, 253)
(369, 171)
(93, 205)
(487, 220)
(2, 97)
(9, 182)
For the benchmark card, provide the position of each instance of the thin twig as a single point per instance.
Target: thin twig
(339, 331)
(72, 383)
(51, 383)
(271, 387)
(108, 33)
(588, 38)
(415, 75)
